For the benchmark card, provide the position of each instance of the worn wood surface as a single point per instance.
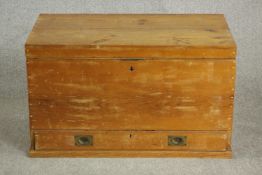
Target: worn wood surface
(130, 81)
(137, 153)
(106, 95)
(128, 36)
(132, 140)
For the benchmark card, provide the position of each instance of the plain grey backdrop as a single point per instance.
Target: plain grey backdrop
(16, 20)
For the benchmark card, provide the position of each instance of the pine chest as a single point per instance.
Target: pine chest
(130, 86)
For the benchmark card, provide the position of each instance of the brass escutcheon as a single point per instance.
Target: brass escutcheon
(84, 140)
(177, 140)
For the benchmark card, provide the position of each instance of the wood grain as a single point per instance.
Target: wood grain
(106, 95)
(130, 81)
(128, 36)
(120, 154)
(131, 140)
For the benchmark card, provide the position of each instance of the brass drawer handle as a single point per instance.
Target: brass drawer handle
(177, 140)
(84, 140)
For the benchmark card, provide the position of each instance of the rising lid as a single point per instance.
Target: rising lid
(130, 36)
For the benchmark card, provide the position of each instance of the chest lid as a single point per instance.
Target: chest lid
(130, 36)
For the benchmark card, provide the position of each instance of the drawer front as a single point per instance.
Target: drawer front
(131, 95)
(131, 140)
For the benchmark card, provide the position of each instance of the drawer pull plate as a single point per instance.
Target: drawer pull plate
(84, 140)
(177, 140)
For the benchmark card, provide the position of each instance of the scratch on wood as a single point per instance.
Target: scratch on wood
(49, 123)
(86, 108)
(84, 116)
(79, 86)
(86, 100)
(186, 108)
(187, 99)
(156, 93)
(116, 108)
(214, 110)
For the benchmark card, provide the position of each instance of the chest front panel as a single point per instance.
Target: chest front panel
(126, 95)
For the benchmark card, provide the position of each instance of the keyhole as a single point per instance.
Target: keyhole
(131, 68)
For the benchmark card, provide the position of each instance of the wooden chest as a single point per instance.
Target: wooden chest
(130, 86)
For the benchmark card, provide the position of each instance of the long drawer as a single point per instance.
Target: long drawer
(131, 140)
(131, 95)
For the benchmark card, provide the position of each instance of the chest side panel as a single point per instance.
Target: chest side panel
(131, 95)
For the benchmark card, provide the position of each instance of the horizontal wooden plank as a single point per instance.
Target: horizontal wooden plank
(127, 21)
(155, 95)
(131, 140)
(149, 36)
(132, 52)
(119, 154)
